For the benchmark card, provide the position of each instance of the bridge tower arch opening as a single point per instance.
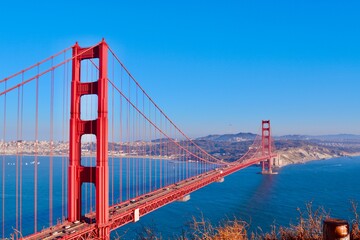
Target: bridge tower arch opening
(77, 172)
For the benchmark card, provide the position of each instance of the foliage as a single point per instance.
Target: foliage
(355, 231)
(204, 230)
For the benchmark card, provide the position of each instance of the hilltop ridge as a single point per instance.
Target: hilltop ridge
(238, 137)
(291, 148)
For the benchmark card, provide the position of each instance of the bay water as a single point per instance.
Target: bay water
(260, 200)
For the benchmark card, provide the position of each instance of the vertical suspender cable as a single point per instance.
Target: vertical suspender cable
(112, 137)
(133, 160)
(51, 146)
(21, 163)
(67, 114)
(150, 149)
(173, 153)
(170, 155)
(167, 153)
(3, 168)
(186, 160)
(187, 157)
(128, 147)
(163, 150)
(144, 151)
(36, 149)
(178, 152)
(178, 159)
(132, 137)
(155, 152)
(120, 149)
(136, 145)
(113, 147)
(17, 163)
(64, 119)
(121, 136)
(160, 153)
(63, 140)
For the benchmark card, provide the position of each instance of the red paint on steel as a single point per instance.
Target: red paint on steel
(17, 165)
(78, 174)
(51, 147)
(112, 136)
(36, 150)
(21, 155)
(3, 168)
(266, 145)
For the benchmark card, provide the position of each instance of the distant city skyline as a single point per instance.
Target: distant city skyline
(213, 67)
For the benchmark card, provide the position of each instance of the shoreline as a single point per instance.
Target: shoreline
(286, 158)
(306, 160)
(91, 156)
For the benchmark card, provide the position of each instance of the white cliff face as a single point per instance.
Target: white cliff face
(306, 153)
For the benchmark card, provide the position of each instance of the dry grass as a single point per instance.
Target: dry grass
(309, 225)
(204, 230)
(355, 231)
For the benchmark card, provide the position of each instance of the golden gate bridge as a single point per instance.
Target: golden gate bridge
(119, 157)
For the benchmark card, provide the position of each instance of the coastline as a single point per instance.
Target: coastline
(287, 156)
(90, 156)
(304, 155)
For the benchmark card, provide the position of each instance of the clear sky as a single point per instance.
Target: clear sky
(213, 66)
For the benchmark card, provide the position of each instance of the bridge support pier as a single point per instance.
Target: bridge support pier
(184, 198)
(266, 166)
(220, 180)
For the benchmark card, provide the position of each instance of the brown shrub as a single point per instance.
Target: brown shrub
(204, 230)
(355, 231)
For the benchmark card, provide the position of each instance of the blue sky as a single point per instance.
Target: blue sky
(213, 66)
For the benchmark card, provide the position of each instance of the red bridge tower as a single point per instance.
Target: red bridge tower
(78, 174)
(266, 147)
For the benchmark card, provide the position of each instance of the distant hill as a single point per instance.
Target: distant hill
(162, 140)
(291, 148)
(334, 137)
(239, 137)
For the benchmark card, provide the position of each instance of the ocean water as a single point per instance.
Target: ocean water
(261, 200)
